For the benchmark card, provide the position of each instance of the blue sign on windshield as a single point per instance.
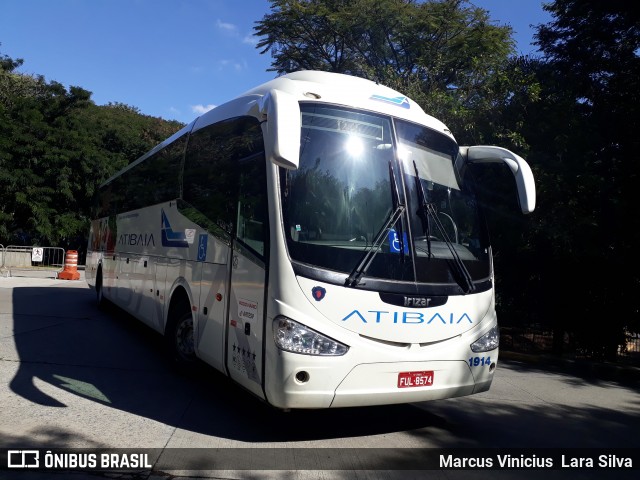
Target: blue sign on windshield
(394, 242)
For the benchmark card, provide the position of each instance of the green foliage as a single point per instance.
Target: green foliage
(56, 147)
(445, 55)
(8, 64)
(579, 127)
(591, 75)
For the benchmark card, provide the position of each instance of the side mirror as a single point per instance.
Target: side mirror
(282, 128)
(518, 166)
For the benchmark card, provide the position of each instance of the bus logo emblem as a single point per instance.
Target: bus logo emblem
(416, 301)
(171, 238)
(318, 293)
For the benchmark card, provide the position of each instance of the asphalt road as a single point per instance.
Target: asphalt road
(73, 376)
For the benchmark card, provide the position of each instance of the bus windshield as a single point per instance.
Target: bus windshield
(349, 184)
(443, 211)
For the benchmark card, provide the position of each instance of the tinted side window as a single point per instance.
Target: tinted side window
(252, 204)
(212, 172)
(157, 179)
(154, 180)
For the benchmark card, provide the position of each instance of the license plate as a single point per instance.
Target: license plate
(415, 379)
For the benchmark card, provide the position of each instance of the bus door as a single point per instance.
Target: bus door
(213, 305)
(150, 283)
(142, 283)
(124, 290)
(248, 278)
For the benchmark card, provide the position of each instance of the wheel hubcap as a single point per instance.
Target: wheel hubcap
(184, 338)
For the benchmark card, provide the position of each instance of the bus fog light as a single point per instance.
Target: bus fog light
(295, 337)
(489, 341)
(302, 377)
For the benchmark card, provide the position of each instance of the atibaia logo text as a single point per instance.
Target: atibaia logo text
(381, 316)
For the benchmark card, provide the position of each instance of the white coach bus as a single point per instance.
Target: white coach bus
(317, 239)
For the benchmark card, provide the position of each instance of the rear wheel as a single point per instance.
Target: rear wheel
(180, 335)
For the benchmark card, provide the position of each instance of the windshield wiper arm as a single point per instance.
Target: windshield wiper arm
(429, 209)
(423, 213)
(361, 268)
(465, 277)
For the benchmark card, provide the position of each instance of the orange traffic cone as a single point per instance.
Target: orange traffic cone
(70, 271)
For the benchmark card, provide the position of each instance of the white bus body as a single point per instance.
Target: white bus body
(294, 239)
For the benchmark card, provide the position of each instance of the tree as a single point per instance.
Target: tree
(586, 144)
(442, 54)
(8, 64)
(572, 112)
(56, 148)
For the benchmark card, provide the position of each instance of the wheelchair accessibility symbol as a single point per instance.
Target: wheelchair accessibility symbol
(202, 247)
(394, 242)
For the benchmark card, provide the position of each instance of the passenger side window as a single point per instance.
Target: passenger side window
(224, 186)
(252, 203)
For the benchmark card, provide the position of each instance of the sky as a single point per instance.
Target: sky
(173, 59)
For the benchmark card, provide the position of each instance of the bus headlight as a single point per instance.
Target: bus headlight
(489, 341)
(298, 338)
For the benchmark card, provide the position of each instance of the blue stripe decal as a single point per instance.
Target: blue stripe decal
(400, 101)
(171, 238)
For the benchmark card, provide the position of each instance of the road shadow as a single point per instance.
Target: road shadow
(108, 357)
(578, 371)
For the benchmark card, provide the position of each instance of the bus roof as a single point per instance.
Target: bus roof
(311, 85)
(347, 90)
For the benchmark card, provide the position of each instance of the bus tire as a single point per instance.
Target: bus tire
(101, 302)
(179, 335)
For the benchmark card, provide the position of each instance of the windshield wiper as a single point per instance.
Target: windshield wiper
(428, 209)
(361, 268)
(423, 212)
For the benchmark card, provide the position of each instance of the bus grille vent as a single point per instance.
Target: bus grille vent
(386, 342)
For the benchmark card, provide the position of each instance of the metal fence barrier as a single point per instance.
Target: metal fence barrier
(46, 261)
(538, 339)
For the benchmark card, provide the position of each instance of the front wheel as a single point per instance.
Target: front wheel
(180, 336)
